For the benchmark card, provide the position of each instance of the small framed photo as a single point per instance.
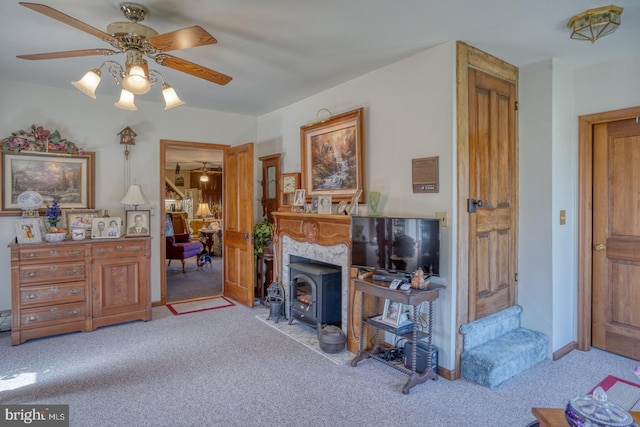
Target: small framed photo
(137, 224)
(28, 230)
(392, 313)
(106, 228)
(298, 200)
(80, 218)
(314, 205)
(324, 204)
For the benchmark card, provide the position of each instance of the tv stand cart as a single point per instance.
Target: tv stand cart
(414, 298)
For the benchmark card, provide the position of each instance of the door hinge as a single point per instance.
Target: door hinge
(516, 277)
(516, 105)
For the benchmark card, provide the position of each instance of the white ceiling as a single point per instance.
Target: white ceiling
(281, 51)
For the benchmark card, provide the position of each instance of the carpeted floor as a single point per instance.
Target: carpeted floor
(227, 368)
(195, 283)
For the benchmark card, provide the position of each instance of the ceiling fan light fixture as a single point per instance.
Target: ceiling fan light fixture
(593, 24)
(136, 81)
(126, 101)
(89, 82)
(170, 96)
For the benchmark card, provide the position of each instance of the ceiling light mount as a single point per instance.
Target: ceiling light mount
(593, 24)
(134, 12)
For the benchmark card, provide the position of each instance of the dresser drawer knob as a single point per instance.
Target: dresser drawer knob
(53, 252)
(75, 270)
(32, 274)
(100, 251)
(53, 267)
(75, 291)
(74, 312)
(74, 252)
(54, 289)
(32, 296)
(119, 247)
(32, 255)
(32, 318)
(136, 248)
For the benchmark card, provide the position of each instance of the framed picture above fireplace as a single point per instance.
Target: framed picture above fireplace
(332, 156)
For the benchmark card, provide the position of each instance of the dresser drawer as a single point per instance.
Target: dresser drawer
(119, 249)
(52, 294)
(54, 253)
(43, 316)
(51, 273)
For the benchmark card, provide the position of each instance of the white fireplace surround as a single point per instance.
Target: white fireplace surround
(336, 254)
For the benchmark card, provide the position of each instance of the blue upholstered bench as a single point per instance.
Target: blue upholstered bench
(496, 348)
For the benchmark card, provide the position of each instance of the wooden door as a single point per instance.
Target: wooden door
(616, 237)
(239, 272)
(493, 181)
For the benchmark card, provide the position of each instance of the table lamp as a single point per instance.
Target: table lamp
(203, 210)
(135, 196)
(29, 201)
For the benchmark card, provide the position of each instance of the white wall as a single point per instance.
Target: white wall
(535, 257)
(409, 113)
(93, 124)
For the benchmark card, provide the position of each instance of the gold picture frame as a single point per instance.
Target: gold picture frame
(78, 218)
(68, 177)
(332, 156)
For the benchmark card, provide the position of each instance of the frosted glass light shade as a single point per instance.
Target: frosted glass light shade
(170, 96)
(126, 101)
(29, 201)
(136, 81)
(89, 82)
(135, 196)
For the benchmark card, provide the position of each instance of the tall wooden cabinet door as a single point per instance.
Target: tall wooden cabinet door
(120, 288)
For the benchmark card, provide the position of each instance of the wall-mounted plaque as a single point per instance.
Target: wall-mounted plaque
(425, 175)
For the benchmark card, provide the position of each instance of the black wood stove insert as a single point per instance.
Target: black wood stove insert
(315, 293)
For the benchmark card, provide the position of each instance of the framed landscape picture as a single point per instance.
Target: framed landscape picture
(68, 177)
(332, 156)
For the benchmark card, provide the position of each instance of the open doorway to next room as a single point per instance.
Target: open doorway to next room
(192, 188)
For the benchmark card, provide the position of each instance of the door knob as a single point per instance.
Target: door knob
(599, 247)
(473, 205)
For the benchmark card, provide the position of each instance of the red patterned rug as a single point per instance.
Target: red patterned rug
(621, 392)
(203, 304)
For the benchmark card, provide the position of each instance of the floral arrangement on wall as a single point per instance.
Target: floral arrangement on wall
(39, 139)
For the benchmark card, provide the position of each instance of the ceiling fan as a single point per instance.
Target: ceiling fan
(136, 41)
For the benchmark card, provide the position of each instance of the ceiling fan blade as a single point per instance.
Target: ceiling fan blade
(181, 39)
(55, 14)
(191, 68)
(69, 54)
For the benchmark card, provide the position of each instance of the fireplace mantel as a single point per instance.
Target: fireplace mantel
(322, 229)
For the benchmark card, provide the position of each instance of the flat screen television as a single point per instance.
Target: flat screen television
(396, 245)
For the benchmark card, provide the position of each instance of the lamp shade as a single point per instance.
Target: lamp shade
(126, 101)
(89, 83)
(170, 96)
(29, 201)
(203, 210)
(135, 196)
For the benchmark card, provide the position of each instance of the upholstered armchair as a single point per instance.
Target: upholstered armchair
(179, 245)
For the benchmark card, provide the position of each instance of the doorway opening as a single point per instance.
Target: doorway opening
(191, 198)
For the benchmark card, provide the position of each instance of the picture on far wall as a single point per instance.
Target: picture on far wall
(332, 156)
(69, 178)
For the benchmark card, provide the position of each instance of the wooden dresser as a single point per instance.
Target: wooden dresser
(78, 285)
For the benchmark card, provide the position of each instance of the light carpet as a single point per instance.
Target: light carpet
(307, 336)
(197, 305)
